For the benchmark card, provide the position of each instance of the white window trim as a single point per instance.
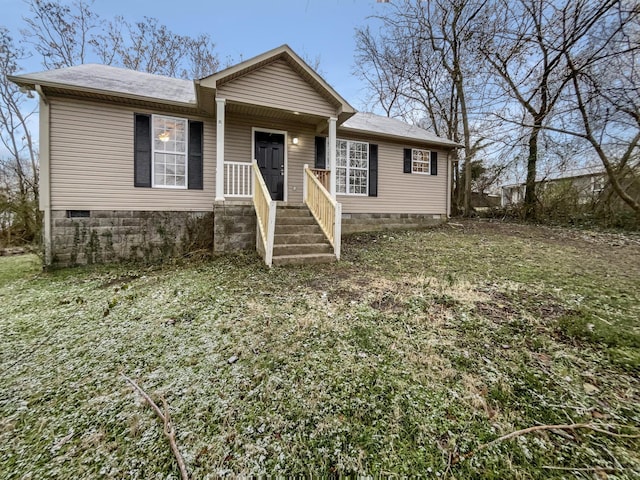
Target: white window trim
(348, 168)
(428, 162)
(186, 154)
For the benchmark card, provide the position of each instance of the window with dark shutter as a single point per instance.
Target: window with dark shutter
(407, 160)
(142, 151)
(434, 163)
(373, 170)
(194, 171)
(321, 152)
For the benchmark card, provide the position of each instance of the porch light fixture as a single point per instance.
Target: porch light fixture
(164, 136)
(295, 140)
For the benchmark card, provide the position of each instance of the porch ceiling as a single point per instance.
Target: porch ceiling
(274, 113)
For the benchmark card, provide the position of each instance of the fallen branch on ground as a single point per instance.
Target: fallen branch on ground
(517, 433)
(581, 469)
(169, 431)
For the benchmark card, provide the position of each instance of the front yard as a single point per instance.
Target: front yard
(408, 356)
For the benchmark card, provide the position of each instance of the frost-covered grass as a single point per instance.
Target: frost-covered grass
(16, 267)
(416, 348)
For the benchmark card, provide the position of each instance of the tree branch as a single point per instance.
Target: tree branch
(169, 431)
(537, 428)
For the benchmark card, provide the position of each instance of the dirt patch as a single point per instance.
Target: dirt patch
(388, 303)
(120, 280)
(497, 313)
(504, 306)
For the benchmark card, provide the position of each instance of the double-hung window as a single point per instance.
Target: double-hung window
(169, 152)
(352, 167)
(420, 161)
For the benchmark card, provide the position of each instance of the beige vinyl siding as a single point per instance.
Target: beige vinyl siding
(92, 162)
(276, 85)
(238, 145)
(400, 192)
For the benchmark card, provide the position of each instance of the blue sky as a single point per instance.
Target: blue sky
(244, 28)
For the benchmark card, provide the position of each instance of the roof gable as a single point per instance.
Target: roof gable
(262, 71)
(277, 85)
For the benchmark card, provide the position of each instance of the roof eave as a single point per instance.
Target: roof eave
(30, 83)
(446, 144)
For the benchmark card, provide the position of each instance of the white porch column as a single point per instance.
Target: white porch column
(332, 156)
(220, 105)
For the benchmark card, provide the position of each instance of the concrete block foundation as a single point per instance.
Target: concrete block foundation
(125, 235)
(371, 222)
(234, 226)
(122, 235)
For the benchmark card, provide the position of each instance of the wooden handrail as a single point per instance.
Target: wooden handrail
(326, 211)
(265, 213)
(323, 175)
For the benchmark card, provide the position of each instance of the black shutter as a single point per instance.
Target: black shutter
(434, 163)
(142, 151)
(407, 160)
(321, 152)
(195, 155)
(373, 170)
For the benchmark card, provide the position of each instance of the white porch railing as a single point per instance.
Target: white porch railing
(327, 212)
(266, 215)
(238, 179)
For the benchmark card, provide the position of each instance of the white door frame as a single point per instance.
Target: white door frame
(286, 161)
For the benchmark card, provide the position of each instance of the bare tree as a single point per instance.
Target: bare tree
(60, 32)
(67, 34)
(202, 57)
(425, 59)
(603, 104)
(19, 165)
(148, 46)
(526, 50)
(108, 43)
(383, 67)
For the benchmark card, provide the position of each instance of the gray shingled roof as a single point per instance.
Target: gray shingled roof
(117, 80)
(122, 81)
(390, 127)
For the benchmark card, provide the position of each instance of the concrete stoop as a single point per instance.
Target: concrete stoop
(298, 238)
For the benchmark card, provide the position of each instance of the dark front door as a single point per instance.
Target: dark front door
(270, 157)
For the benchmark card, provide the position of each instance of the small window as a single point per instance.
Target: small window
(78, 213)
(169, 152)
(598, 184)
(420, 161)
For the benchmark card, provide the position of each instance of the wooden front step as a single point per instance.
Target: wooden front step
(301, 249)
(299, 239)
(304, 259)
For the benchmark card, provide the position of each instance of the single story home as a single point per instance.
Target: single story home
(264, 154)
(587, 183)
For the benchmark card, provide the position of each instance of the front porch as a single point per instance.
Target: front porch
(262, 165)
(275, 136)
(282, 232)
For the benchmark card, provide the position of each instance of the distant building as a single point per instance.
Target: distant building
(588, 182)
